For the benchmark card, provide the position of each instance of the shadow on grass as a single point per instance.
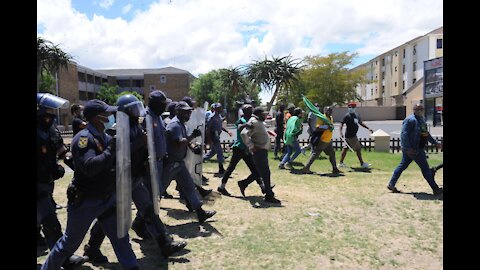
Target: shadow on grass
(258, 202)
(194, 229)
(422, 196)
(295, 171)
(153, 259)
(86, 267)
(360, 169)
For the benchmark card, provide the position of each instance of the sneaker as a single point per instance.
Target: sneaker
(393, 189)
(94, 255)
(342, 165)
(204, 192)
(304, 151)
(366, 165)
(281, 166)
(438, 191)
(223, 191)
(288, 166)
(271, 199)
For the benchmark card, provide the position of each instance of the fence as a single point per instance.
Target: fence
(368, 144)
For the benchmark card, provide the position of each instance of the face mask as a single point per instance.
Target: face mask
(111, 121)
(351, 110)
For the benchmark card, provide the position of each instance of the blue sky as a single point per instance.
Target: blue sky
(201, 35)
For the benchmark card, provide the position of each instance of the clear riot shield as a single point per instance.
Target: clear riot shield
(152, 161)
(194, 161)
(123, 174)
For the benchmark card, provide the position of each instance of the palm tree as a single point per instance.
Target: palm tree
(50, 58)
(276, 74)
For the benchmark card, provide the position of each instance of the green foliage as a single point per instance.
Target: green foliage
(47, 83)
(108, 93)
(218, 85)
(327, 80)
(50, 58)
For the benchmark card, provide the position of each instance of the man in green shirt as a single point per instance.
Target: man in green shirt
(294, 128)
(240, 151)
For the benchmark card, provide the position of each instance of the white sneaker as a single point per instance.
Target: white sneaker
(366, 165)
(288, 166)
(342, 165)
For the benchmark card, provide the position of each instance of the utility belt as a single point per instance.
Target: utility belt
(76, 196)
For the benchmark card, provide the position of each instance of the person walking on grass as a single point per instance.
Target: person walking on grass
(294, 128)
(322, 141)
(256, 137)
(279, 130)
(240, 152)
(352, 120)
(413, 139)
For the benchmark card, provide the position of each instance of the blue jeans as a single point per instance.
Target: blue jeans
(290, 148)
(178, 170)
(215, 148)
(421, 160)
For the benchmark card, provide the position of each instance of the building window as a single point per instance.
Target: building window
(414, 80)
(376, 63)
(395, 84)
(383, 88)
(163, 78)
(414, 49)
(89, 78)
(395, 68)
(403, 85)
(383, 62)
(439, 43)
(81, 76)
(138, 83)
(396, 53)
(376, 76)
(404, 53)
(104, 80)
(383, 74)
(371, 92)
(82, 95)
(123, 83)
(403, 68)
(414, 66)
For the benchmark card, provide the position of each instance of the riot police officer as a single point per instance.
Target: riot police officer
(130, 105)
(49, 147)
(91, 193)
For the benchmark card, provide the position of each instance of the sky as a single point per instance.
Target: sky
(203, 35)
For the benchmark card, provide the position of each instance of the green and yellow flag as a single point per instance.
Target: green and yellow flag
(316, 112)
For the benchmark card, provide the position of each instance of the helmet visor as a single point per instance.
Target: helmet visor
(135, 109)
(52, 101)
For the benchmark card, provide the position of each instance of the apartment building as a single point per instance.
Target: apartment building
(395, 78)
(79, 83)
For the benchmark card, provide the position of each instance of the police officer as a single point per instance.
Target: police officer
(49, 146)
(130, 105)
(91, 193)
(177, 143)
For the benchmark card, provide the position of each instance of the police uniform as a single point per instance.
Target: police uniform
(214, 126)
(48, 142)
(91, 195)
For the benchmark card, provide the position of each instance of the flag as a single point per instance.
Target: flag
(316, 112)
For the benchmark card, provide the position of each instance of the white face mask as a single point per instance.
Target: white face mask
(111, 121)
(351, 110)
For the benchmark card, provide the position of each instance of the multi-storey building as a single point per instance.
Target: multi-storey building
(79, 84)
(395, 78)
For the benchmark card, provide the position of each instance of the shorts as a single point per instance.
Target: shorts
(354, 143)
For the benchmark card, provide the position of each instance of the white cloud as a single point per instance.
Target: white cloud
(200, 35)
(126, 8)
(106, 3)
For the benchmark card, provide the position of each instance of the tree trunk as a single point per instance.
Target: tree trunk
(269, 105)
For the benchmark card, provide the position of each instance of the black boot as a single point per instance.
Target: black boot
(221, 170)
(138, 226)
(94, 254)
(204, 215)
(73, 261)
(242, 185)
(203, 192)
(168, 246)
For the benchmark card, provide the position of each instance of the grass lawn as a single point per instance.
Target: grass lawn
(349, 221)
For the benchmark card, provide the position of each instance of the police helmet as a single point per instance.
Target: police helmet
(130, 105)
(51, 101)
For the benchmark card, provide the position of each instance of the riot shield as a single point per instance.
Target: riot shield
(194, 161)
(152, 161)
(123, 174)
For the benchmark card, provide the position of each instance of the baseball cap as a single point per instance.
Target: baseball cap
(158, 96)
(182, 105)
(94, 107)
(259, 110)
(189, 100)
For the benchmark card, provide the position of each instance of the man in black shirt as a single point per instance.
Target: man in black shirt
(78, 122)
(279, 129)
(352, 120)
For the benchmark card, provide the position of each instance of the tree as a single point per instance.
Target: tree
(275, 75)
(47, 83)
(108, 93)
(140, 97)
(327, 80)
(50, 58)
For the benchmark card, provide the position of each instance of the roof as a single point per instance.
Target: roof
(142, 71)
